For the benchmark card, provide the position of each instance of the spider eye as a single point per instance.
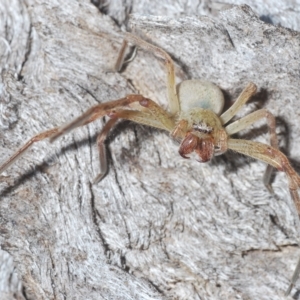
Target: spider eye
(202, 147)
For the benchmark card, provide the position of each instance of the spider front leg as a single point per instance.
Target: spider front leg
(133, 107)
(277, 159)
(89, 116)
(273, 157)
(155, 117)
(97, 112)
(19, 153)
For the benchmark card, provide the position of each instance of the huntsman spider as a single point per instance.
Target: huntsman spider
(194, 117)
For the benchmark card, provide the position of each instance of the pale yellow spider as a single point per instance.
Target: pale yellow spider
(194, 117)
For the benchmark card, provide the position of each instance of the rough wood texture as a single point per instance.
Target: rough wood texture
(158, 226)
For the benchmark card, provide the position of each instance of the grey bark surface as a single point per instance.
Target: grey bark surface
(158, 226)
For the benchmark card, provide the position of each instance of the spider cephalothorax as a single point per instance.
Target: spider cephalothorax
(201, 130)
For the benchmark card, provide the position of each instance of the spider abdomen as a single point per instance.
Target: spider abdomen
(200, 93)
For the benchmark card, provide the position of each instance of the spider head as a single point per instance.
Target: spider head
(202, 145)
(199, 129)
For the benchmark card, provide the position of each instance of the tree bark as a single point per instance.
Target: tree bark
(157, 226)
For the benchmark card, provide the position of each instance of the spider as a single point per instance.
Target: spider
(194, 118)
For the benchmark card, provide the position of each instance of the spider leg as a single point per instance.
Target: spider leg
(89, 116)
(245, 95)
(120, 60)
(249, 120)
(294, 279)
(97, 112)
(133, 107)
(152, 118)
(273, 157)
(20, 152)
(158, 52)
(164, 120)
(277, 159)
(102, 149)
